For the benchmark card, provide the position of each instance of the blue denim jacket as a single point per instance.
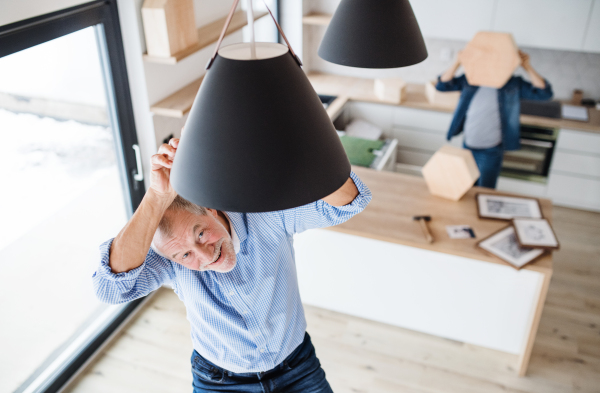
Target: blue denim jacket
(509, 97)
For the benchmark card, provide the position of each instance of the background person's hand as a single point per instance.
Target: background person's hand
(525, 62)
(458, 59)
(161, 169)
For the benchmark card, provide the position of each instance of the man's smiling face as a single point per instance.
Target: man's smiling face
(198, 242)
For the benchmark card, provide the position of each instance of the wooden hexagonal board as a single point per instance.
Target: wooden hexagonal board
(450, 172)
(490, 59)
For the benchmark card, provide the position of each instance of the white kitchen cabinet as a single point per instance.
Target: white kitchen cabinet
(463, 299)
(592, 37)
(377, 114)
(574, 179)
(523, 187)
(577, 163)
(455, 20)
(552, 24)
(419, 139)
(574, 191)
(421, 119)
(578, 141)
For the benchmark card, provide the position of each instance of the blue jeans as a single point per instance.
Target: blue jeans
(300, 372)
(489, 162)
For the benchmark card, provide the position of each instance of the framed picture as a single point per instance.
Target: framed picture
(535, 232)
(502, 207)
(504, 245)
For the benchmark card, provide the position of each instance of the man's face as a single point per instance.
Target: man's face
(197, 242)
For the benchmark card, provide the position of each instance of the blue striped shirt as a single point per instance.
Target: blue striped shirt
(251, 318)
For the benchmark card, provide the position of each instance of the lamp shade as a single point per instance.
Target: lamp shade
(373, 34)
(257, 138)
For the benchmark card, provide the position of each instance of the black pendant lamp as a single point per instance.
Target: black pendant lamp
(257, 138)
(373, 34)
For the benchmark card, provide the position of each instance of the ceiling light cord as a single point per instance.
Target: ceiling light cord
(250, 14)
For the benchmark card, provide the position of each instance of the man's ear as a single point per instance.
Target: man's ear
(212, 212)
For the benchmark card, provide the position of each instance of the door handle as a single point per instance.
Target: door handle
(138, 175)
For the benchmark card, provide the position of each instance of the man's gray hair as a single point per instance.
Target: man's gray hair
(179, 204)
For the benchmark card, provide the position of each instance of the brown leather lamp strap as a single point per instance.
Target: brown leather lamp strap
(228, 21)
(283, 35)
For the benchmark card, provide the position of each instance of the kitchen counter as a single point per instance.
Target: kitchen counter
(398, 197)
(378, 266)
(360, 89)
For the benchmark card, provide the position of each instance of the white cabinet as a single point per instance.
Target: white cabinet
(456, 19)
(422, 119)
(552, 24)
(578, 141)
(592, 38)
(574, 179)
(462, 299)
(574, 191)
(377, 114)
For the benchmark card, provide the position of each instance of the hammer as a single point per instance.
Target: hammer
(423, 221)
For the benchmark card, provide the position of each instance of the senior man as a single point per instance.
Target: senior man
(235, 273)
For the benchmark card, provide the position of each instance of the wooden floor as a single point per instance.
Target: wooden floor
(359, 356)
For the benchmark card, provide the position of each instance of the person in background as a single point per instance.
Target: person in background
(489, 117)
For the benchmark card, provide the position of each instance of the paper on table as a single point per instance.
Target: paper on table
(572, 112)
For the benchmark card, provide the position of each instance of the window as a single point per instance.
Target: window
(71, 180)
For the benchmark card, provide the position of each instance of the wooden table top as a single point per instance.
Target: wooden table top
(361, 89)
(398, 197)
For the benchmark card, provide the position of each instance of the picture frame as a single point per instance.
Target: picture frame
(505, 207)
(503, 244)
(535, 233)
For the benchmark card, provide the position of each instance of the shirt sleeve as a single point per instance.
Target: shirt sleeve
(455, 84)
(115, 288)
(320, 214)
(528, 91)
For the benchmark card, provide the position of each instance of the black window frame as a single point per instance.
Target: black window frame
(25, 34)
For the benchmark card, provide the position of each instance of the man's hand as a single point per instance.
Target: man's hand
(130, 246)
(162, 162)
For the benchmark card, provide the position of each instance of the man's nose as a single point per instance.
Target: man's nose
(207, 251)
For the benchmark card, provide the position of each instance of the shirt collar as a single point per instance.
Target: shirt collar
(238, 229)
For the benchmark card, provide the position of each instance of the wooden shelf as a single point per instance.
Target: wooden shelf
(179, 103)
(207, 35)
(316, 19)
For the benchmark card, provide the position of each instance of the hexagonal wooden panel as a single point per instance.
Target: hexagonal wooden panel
(490, 59)
(450, 172)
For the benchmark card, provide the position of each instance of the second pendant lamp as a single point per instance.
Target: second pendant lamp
(373, 34)
(257, 138)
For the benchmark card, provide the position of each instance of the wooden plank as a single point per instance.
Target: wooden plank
(207, 35)
(316, 19)
(179, 103)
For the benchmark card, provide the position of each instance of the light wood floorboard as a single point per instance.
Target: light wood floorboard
(360, 356)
